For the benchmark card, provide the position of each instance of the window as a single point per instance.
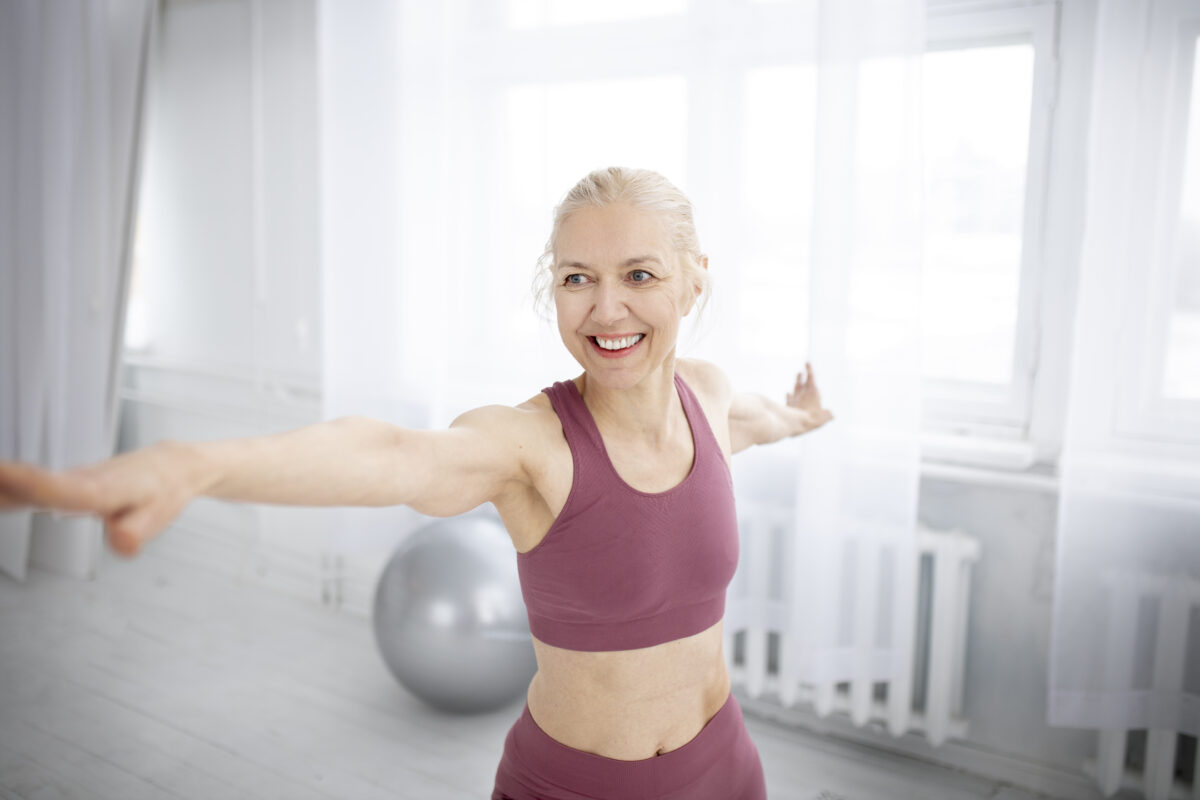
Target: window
(977, 108)
(777, 161)
(721, 97)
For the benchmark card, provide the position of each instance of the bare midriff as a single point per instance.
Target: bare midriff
(630, 704)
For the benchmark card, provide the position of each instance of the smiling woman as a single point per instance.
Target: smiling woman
(614, 487)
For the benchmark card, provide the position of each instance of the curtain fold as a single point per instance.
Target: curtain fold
(70, 101)
(1126, 622)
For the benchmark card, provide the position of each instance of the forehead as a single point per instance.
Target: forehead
(611, 233)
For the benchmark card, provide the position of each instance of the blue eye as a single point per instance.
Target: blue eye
(575, 279)
(640, 276)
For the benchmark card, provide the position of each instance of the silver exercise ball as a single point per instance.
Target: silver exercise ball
(449, 617)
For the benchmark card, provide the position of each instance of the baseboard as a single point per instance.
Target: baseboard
(1043, 779)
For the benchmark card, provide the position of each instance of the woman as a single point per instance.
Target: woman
(614, 487)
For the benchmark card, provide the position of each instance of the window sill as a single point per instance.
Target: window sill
(986, 462)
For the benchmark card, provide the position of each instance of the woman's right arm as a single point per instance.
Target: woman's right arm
(350, 461)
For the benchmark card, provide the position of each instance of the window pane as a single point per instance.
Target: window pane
(1182, 373)
(886, 236)
(777, 179)
(777, 152)
(548, 13)
(977, 109)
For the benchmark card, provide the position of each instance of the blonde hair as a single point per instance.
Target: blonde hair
(640, 188)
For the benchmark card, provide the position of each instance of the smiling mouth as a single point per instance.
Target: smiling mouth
(616, 345)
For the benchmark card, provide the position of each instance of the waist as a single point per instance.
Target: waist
(621, 634)
(630, 704)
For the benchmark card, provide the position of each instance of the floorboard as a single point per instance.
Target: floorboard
(160, 680)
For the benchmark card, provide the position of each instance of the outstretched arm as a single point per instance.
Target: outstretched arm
(755, 419)
(351, 461)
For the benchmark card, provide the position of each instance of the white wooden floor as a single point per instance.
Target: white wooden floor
(160, 680)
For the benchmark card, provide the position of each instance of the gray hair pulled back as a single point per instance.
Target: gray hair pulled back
(639, 188)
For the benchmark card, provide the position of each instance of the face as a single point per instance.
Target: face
(619, 292)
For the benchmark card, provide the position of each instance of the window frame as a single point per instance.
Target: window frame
(957, 409)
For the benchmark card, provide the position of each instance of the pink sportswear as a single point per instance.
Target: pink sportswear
(621, 569)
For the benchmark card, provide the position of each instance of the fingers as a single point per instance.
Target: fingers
(123, 534)
(13, 493)
(133, 502)
(130, 528)
(23, 485)
(804, 382)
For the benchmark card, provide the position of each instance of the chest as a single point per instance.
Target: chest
(621, 569)
(530, 513)
(651, 467)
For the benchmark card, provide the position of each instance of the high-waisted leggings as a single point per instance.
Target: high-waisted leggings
(720, 763)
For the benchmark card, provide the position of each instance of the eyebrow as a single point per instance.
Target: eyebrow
(629, 262)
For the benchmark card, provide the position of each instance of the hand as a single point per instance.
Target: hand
(806, 397)
(137, 494)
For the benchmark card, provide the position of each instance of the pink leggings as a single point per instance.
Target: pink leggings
(720, 763)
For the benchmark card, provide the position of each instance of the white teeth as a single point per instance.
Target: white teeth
(619, 344)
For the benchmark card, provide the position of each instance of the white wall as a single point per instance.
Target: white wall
(227, 269)
(1009, 644)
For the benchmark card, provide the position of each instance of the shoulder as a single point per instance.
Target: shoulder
(507, 421)
(715, 393)
(509, 440)
(707, 380)
(527, 428)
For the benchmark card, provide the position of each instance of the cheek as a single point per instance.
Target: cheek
(565, 314)
(682, 304)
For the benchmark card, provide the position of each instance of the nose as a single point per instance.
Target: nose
(609, 305)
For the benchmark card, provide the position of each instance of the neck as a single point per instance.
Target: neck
(647, 408)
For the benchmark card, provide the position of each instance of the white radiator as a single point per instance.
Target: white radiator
(926, 698)
(1151, 762)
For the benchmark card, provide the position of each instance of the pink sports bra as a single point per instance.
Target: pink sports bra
(621, 569)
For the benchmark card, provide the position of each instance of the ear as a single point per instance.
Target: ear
(697, 289)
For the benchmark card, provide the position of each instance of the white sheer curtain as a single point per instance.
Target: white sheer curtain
(71, 87)
(1126, 633)
(485, 149)
(846, 590)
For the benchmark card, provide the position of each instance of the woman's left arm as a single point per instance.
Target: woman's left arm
(755, 419)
